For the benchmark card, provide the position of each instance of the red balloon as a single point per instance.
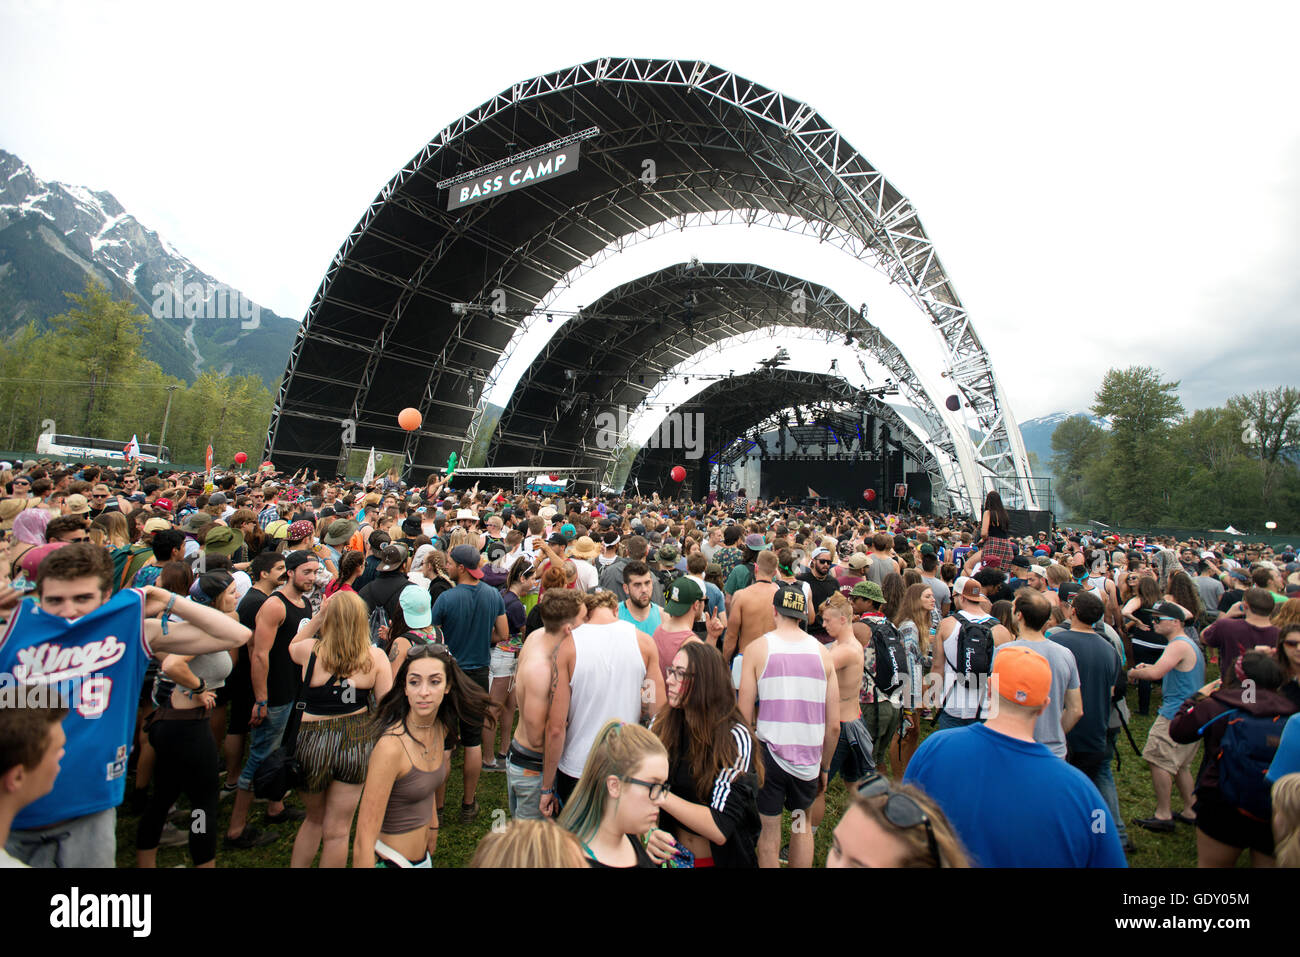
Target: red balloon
(241, 457)
(554, 478)
(678, 473)
(869, 495)
(409, 419)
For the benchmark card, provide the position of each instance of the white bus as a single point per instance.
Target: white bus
(80, 447)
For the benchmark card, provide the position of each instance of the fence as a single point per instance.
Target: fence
(1272, 539)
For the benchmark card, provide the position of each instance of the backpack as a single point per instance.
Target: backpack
(891, 657)
(1245, 753)
(974, 653)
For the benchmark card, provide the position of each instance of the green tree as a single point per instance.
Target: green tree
(1141, 409)
(103, 337)
(1078, 446)
(1270, 424)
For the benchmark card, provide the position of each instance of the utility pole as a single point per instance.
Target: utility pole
(162, 438)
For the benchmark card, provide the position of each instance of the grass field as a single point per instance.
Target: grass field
(456, 842)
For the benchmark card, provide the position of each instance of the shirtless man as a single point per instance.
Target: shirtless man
(853, 754)
(562, 610)
(751, 613)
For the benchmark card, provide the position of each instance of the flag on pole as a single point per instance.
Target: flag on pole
(811, 493)
(132, 450)
(207, 462)
(370, 468)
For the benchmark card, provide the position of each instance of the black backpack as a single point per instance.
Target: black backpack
(974, 654)
(891, 657)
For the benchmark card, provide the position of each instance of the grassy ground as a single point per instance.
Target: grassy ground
(457, 842)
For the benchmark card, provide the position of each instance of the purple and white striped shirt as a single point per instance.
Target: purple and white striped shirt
(792, 704)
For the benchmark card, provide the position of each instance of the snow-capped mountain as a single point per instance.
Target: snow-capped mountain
(53, 236)
(1037, 434)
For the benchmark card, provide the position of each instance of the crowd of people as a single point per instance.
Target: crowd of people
(660, 682)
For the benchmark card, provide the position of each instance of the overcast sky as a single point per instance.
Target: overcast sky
(1106, 184)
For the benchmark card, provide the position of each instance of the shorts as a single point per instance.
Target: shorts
(471, 735)
(781, 789)
(239, 711)
(87, 841)
(1225, 824)
(853, 756)
(335, 749)
(503, 664)
(882, 721)
(1161, 751)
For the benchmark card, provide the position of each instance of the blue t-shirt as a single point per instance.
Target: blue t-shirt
(1287, 759)
(1013, 803)
(98, 662)
(467, 615)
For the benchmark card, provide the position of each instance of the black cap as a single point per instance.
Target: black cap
(1021, 561)
(1068, 590)
(1166, 609)
(790, 601)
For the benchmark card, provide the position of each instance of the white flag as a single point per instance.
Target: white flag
(370, 468)
(132, 450)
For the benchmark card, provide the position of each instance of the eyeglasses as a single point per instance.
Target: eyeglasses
(1292, 644)
(657, 789)
(681, 674)
(900, 809)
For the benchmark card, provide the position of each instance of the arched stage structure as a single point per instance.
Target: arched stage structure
(424, 304)
(737, 411)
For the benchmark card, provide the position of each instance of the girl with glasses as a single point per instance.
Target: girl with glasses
(712, 809)
(397, 825)
(618, 797)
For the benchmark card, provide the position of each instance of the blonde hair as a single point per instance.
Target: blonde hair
(1287, 613)
(1286, 820)
(1057, 575)
(529, 844)
(459, 536)
(344, 642)
(838, 604)
(116, 531)
(619, 749)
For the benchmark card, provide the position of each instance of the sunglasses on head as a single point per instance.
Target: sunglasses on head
(900, 809)
(429, 649)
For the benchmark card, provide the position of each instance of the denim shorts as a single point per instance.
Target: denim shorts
(502, 664)
(262, 740)
(524, 792)
(87, 841)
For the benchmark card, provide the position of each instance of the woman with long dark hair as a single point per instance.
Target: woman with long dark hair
(398, 823)
(712, 808)
(995, 533)
(1147, 644)
(351, 565)
(1288, 657)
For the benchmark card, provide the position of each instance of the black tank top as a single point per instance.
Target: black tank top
(284, 676)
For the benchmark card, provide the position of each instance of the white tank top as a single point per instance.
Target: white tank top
(607, 675)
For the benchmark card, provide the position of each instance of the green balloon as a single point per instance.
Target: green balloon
(451, 465)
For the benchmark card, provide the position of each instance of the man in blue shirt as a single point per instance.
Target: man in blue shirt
(472, 618)
(1011, 801)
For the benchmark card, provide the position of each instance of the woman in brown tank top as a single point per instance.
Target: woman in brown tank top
(398, 823)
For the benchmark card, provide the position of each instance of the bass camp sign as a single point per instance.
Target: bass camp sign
(527, 173)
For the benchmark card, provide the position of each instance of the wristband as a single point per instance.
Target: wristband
(548, 790)
(259, 704)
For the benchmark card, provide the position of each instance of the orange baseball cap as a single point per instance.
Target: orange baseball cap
(1023, 676)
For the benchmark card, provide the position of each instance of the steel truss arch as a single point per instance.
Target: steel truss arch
(408, 259)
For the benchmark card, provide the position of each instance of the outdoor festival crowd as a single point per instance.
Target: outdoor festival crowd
(657, 681)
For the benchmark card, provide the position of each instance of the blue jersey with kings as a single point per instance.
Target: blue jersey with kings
(96, 665)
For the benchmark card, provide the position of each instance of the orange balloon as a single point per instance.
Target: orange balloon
(409, 419)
